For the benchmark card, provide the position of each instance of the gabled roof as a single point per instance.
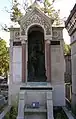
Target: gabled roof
(34, 8)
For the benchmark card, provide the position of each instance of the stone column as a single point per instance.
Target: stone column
(11, 60)
(49, 106)
(11, 71)
(23, 60)
(48, 59)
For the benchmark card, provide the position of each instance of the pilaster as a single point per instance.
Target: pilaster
(11, 58)
(48, 59)
(23, 41)
(11, 71)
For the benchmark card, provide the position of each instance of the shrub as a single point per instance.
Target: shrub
(12, 114)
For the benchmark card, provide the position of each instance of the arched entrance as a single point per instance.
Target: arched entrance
(36, 55)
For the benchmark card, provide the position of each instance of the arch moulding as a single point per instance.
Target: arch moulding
(32, 25)
(36, 19)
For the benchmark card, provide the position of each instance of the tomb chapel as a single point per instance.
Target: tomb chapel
(36, 65)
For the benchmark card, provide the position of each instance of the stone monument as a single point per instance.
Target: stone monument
(36, 65)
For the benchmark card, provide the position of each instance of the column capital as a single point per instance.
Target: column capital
(23, 39)
(47, 41)
(48, 37)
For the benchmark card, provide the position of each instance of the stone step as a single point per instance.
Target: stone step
(35, 110)
(35, 102)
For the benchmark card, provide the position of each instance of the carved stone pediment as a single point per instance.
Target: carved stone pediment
(36, 17)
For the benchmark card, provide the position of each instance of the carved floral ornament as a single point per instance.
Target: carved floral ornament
(17, 35)
(56, 34)
(37, 20)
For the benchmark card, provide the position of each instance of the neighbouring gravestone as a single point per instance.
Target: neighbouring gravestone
(70, 25)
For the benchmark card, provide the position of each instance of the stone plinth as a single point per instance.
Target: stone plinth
(41, 94)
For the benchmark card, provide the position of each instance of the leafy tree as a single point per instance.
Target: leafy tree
(12, 114)
(4, 58)
(48, 9)
(16, 12)
(67, 49)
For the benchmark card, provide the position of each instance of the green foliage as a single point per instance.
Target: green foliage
(67, 49)
(4, 58)
(52, 13)
(59, 114)
(7, 116)
(16, 12)
(12, 114)
(48, 8)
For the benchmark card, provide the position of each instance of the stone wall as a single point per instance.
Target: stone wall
(15, 66)
(73, 59)
(71, 28)
(57, 68)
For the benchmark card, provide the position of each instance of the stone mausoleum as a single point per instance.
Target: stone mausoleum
(70, 25)
(36, 66)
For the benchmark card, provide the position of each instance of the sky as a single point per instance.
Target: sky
(65, 7)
